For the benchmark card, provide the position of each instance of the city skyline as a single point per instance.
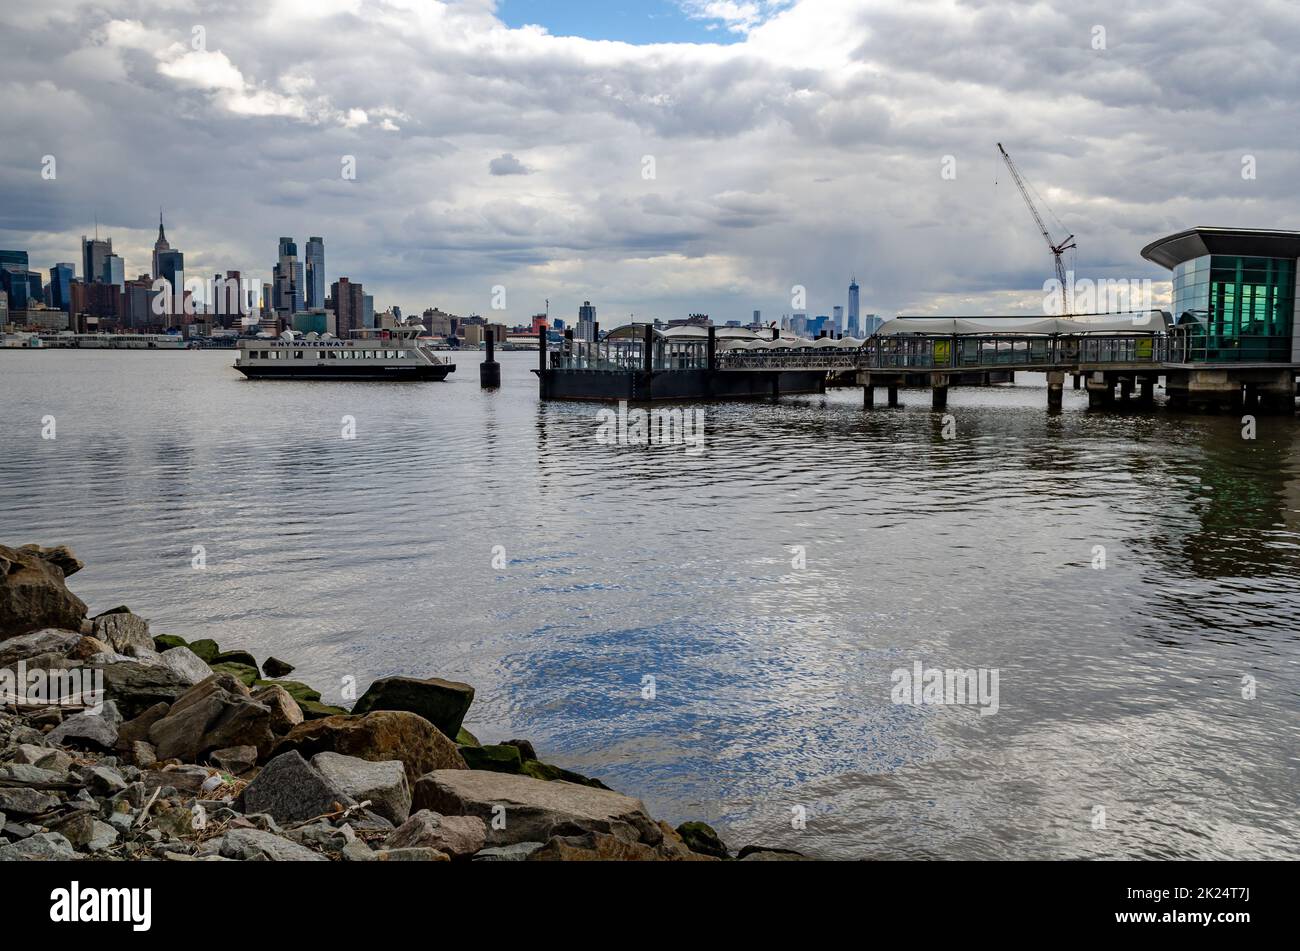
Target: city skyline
(624, 167)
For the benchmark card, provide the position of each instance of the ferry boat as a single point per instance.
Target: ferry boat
(67, 340)
(371, 354)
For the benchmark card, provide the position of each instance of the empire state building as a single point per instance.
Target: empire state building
(159, 246)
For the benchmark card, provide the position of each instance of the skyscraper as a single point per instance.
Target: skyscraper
(159, 247)
(855, 326)
(836, 325)
(171, 266)
(368, 310)
(349, 306)
(286, 281)
(61, 276)
(315, 277)
(114, 271)
(93, 253)
(586, 322)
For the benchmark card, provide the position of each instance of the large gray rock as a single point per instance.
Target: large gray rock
(125, 632)
(137, 684)
(32, 591)
(442, 702)
(36, 644)
(256, 845)
(289, 790)
(384, 783)
(41, 847)
(212, 715)
(457, 836)
(89, 730)
(186, 664)
(21, 801)
(534, 810)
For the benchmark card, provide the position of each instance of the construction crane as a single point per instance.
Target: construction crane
(1057, 248)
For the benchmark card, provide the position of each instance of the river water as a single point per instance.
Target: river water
(718, 632)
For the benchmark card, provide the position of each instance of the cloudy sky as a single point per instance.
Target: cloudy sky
(656, 157)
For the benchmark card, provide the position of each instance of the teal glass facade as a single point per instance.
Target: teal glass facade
(1242, 307)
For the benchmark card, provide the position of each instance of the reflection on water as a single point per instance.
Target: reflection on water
(1122, 729)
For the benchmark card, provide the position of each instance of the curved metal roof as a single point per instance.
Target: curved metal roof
(1174, 249)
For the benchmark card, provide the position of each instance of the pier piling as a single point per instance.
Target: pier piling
(1055, 389)
(489, 371)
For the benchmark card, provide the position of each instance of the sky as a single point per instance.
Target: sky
(657, 158)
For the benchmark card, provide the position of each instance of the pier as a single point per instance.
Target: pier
(1118, 359)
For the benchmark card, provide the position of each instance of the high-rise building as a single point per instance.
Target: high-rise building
(586, 322)
(368, 310)
(159, 247)
(349, 306)
(286, 282)
(61, 276)
(171, 268)
(13, 260)
(114, 271)
(836, 324)
(315, 273)
(93, 253)
(854, 323)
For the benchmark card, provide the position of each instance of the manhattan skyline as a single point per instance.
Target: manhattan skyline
(645, 168)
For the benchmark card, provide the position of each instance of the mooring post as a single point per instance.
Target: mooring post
(489, 371)
(893, 396)
(1055, 389)
(938, 391)
(1125, 388)
(868, 396)
(1078, 380)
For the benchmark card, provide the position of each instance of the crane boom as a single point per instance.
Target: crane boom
(1056, 249)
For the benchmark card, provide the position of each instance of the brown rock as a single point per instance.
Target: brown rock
(285, 712)
(458, 836)
(593, 847)
(133, 731)
(214, 714)
(33, 594)
(236, 760)
(382, 735)
(60, 556)
(87, 647)
(142, 754)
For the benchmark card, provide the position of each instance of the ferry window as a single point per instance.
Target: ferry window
(297, 354)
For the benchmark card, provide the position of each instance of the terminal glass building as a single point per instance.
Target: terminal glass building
(1234, 292)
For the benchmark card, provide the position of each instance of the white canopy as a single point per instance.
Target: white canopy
(1145, 322)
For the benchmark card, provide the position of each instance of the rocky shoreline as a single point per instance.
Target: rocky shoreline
(120, 744)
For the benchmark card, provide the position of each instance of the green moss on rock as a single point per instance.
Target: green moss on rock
(465, 738)
(206, 650)
(315, 710)
(498, 759)
(165, 642)
(246, 674)
(700, 837)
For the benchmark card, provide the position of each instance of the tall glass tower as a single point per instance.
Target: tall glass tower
(315, 260)
(854, 328)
